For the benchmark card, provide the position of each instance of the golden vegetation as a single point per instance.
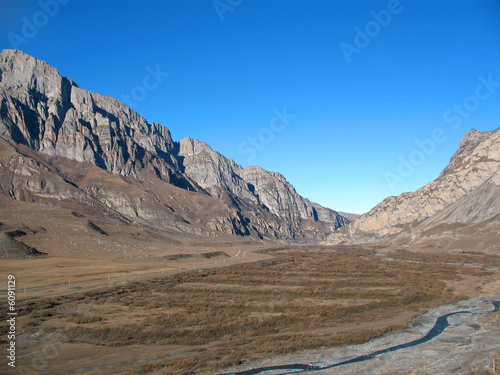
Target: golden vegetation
(300, 299)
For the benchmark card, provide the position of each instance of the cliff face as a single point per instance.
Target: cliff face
(214, 173)
(52, 115)
(95, 149)
(281, 199)
(465, 193)
(252, 188)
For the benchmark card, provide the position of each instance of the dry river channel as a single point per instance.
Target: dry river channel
(467, 313)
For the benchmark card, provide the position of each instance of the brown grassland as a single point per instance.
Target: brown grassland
(207, 320)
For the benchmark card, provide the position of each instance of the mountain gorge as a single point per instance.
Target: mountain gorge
(65, 146)
(151, 255)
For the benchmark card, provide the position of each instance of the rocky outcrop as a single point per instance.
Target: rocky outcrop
(349, 216)
(479, 205)
(281, 199)
(14, 249)
(214, 173)
(465, 192)
(71, 145)
(253, 188)
(52, 115)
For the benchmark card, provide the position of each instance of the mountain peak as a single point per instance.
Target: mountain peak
(474, 145)
(21, 70)
(191, 146)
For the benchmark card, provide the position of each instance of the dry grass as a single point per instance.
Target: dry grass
(300, 299)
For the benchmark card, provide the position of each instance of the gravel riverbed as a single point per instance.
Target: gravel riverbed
(469, 344)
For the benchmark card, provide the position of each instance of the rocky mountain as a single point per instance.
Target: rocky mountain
(463, 202)
(251, 187)
(52, 115)
(349, 216)
(65, 146)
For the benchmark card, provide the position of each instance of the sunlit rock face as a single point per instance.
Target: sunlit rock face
(58, 120)
(466, 192)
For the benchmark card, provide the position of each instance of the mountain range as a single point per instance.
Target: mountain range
(61, 145)
(99, 161)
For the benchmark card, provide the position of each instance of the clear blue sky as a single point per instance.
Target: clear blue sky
(232, 67)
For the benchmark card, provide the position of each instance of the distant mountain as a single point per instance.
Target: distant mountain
(351, 217)
(62, 145)
(462, 204)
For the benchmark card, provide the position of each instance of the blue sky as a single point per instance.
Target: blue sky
(336, 95)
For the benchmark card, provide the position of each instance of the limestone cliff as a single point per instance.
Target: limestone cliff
(252, 187)
(52, 115)
(465, 193)
(66, 144)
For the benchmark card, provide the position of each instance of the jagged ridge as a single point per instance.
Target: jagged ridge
(51, 115)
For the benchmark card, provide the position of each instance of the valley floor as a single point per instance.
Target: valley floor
(286, 300)
(468, 346)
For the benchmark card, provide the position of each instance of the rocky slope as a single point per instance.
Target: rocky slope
(349, 216)
(62, 144)
(464, 195)
(11, 248)
(52, 115)
(250, 187)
